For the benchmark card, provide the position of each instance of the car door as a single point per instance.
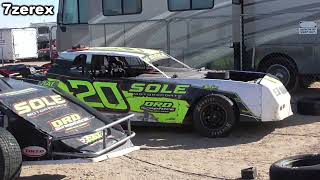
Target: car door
(93, 86)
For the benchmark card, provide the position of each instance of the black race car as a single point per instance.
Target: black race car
(160, 89)
(40, 124)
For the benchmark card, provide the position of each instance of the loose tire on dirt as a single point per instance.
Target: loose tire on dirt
(283, 68)
(304, 167)
(309, 106)
(214, 116)
(10, 156)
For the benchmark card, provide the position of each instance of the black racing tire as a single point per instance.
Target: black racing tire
(10, 156)
(309, 106)
(303, 167)
(214, 116)
(282, 65)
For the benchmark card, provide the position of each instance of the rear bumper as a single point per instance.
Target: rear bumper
(101, 158)
(106, 148)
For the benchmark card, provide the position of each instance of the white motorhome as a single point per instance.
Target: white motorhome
(275, 36)
(18, 44)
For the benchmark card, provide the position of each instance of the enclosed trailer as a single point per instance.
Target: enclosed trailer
(45, 33)
(18, 44)
(273, 36)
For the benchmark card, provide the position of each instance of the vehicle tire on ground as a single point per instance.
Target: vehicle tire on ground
(309, 106)
(214, 116)
(303, 167)
(10, 156)
(284, 69)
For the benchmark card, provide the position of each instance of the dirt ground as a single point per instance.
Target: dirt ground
(176, 153)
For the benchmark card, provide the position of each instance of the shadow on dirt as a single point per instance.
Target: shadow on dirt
(170, 138)
(44, 177)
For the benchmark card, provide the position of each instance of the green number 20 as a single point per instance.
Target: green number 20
(97, 88)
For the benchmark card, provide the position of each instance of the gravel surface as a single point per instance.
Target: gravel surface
(176, 153)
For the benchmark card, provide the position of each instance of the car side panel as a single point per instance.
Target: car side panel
(152, 101)
(160, 102)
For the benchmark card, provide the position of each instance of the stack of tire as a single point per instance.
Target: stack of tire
(10, 156)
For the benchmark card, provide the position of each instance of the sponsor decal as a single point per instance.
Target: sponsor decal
(92, 138)
(158, 107)
(24, 10)
(108, 96)
(98, 90)
(37, 106)
(280, 90)
(271, 79)
(211, 87)
(48, 84)
(70, 122)
(34, 151)
(158, 90)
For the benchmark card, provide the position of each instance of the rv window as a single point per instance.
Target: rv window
(112, 7)
(203, 4)
(132, 6)
(75, 11)
(185, 5)
(121, 7)
(177, 5)
(83, 11)
(70, 13)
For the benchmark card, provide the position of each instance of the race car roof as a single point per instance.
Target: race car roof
(126, 50)
(149, 55)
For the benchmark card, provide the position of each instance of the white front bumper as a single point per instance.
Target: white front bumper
(276, 100)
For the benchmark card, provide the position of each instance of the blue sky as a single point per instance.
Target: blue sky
(24, 21)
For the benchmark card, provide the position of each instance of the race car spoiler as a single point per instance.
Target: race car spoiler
(130, 134)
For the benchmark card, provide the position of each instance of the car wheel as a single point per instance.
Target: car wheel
(10, 156)
(309, 106)
(296, 168)
(214, 116)
(283, 69)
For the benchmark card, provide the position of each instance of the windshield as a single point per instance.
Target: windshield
(169, 63)
(166, 64)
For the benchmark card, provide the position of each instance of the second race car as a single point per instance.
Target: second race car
(39, 125)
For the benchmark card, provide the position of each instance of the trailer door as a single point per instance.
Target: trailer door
(6, 48)
(25, 43)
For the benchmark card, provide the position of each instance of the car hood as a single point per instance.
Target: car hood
(46, 108)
